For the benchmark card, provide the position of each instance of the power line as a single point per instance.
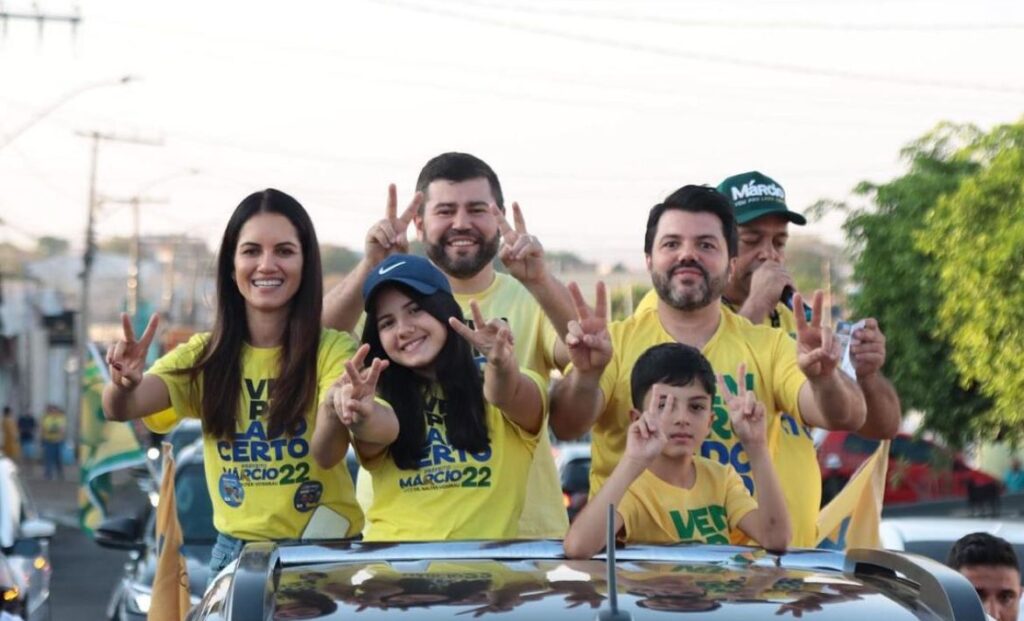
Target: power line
(705, 57)
(732, 24)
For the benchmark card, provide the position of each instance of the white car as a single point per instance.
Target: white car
(24, 541)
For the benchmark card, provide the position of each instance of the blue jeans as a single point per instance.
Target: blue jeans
(52, 460)
(225, 550)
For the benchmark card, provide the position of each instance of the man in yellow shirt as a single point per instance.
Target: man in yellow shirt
(458, 214)
(689, 246)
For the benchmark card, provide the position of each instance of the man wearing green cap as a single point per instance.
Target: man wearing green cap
(759, 284)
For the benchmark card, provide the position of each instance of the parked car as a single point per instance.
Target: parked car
(132, 595)
(533, 580)
(24, 548)
(573, 462)
(918, 469)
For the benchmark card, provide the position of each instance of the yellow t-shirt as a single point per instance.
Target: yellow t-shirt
(265, 488)
(544, 513)
(54, 426)
(655, 511)
(454, 494)
(773, 374)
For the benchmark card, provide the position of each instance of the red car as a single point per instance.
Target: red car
(918, 469)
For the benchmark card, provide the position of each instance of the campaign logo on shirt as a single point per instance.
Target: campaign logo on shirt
(255, 454)
(707, 524)
(444, 465)
(231, 490)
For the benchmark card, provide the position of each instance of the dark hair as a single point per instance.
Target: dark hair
(457, 374)
(982, 549)
(458, 167)
(695, 199)
(674, 364)
(219, 364)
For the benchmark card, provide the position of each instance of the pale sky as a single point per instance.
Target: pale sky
(590, 112)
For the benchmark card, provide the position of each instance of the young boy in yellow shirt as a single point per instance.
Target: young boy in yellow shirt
(663, 490)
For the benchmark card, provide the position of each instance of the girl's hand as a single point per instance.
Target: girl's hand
(644, 439)
(746, 413)
(351, 397)
(493, 339)
(127, 357)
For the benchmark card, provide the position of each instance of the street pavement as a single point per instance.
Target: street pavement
(84, 574)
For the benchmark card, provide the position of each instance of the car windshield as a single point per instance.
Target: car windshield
(913, 451)
(858, 445)
(195, 512)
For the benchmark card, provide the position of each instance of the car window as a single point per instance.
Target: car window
(858, 445)
(195, 511)
(576, 475)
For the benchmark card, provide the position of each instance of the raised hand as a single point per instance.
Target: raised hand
(817, 353)
(352, 394)
(521, 253)
(644, 438)
(867, 349)
(746, 413)
(768, 281)
(127, 357)
(491, 338)
(388, 236)
(588, 341)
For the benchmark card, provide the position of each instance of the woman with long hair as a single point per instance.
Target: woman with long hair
(458, 467)
(256, 382)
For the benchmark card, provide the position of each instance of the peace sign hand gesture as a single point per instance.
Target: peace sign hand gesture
(491, 338)
(644, 439)
(127, 357)
(521, 253)
(351, 396)
(746, 413)
(818, 354)
(388, 236)
(588, 341)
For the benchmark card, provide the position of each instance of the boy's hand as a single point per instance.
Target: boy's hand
(388, 236)
(491, 338)
(645, 440)
(588, 341)
(817, 352)
(127, 357)
(746, 413)
(352, 395)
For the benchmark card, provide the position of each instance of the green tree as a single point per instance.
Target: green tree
(899, 283)
(975, 235)
(337, 259)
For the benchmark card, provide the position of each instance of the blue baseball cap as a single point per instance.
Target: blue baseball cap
(409, 270)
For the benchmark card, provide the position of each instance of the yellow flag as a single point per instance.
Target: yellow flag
(851, 519)
(170, 586)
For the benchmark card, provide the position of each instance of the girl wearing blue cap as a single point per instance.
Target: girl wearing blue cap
(458, 466)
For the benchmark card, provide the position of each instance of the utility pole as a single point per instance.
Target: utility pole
(82, 333)
(41, 18)
(134, 287)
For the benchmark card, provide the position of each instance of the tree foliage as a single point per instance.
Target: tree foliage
(900, 285)
(975, 236)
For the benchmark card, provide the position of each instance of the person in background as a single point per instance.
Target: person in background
(11, 446)
(1014, 480)
(990, 564)
(27, 435)
(54, 428)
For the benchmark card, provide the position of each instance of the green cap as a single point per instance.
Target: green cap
(754, 195)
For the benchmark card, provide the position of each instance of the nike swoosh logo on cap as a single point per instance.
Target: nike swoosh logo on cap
(385, 270)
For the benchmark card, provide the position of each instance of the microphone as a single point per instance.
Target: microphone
(787, 299)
